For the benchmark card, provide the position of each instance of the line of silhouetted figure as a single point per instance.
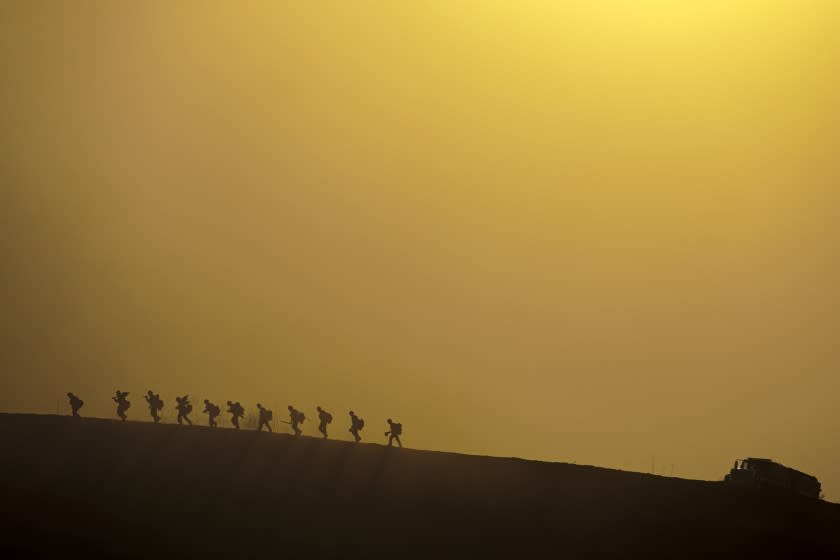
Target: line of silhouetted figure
(265, 416)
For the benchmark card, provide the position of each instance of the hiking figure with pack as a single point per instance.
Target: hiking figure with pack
(184, 408)
(297, 417)
(324, 418)
(122, 403)
(236, 412)
(356, 425)
(75, 404)
(155, 405)
(265, 418)
(212, 410)
(394, 433)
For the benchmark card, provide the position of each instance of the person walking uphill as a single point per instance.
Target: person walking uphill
(75, 404)
(297, 417)
(155, 405)
(184, 408)
(324, 418)
(394, 433)
(356, 425)
(212, 410)
(265, 418)
(236, 412)
(123, 404)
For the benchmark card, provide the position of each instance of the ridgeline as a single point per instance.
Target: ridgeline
(102, 488)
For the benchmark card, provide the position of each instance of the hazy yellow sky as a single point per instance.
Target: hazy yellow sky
(580, 231)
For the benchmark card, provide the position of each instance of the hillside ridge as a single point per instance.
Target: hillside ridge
(109, 487)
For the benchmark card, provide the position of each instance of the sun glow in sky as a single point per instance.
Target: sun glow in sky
(577, 231)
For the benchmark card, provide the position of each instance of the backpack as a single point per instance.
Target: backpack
(396, 429)
(328, 417)
(268, 415)
(360, 424)
(188, 409)
(301, 416)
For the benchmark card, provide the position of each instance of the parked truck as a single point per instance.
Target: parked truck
(766, 474)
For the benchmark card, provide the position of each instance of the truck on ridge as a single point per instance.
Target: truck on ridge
(766, 474)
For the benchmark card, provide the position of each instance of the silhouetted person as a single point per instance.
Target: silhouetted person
(297, 417)
(155, 405)
(394, 433)
(184, 408)
(236, 412)
(75, 404)
(212, 411)
(265, 418)
(324, 418)
(356, 425)
(122, 403)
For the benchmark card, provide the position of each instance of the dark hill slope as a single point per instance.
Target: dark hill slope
(107, 489)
